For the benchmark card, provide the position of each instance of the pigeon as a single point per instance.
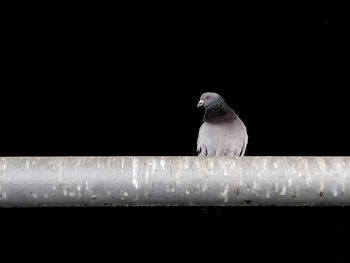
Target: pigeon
(222, 133)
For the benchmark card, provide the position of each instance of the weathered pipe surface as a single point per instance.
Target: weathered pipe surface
(136, 181)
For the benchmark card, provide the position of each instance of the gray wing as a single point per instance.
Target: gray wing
(244, 147)
(206, 144)
(237, 139)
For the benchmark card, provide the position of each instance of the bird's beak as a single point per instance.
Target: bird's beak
(200, 103)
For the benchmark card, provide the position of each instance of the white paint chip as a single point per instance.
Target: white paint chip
(162, 164)
(284, 189)
(134, 174)
(122, 165)
(154, 166)
(225, 194)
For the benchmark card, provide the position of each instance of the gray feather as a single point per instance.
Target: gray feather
(224, 135)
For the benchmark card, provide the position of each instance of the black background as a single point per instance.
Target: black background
(125, 79)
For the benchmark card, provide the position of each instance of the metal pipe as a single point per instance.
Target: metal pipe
(153, 181)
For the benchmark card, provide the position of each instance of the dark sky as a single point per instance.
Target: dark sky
(124, 79)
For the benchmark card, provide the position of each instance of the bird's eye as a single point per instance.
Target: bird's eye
(207, 97)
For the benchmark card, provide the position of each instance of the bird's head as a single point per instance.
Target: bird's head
(207, 99)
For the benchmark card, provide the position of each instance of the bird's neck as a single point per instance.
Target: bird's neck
(220, 112)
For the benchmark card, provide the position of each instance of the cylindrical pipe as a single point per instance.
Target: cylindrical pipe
(137, 181)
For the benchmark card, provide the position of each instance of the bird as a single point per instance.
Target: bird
(222, 132)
